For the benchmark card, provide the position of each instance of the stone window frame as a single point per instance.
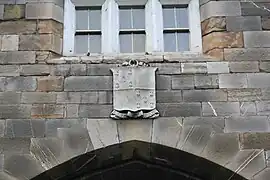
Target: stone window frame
(110, 24)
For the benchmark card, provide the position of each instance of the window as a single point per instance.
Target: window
(129, 26)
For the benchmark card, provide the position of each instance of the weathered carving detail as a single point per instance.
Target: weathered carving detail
(134, 93)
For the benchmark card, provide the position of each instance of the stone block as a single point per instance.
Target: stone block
(50, 83)
(50, 26)
(25, 128)
(1, 11)
(183, 82)
(191, 68)
(244, 23)
(244, 94)
(94, 111)
(15, 145)
(258, 80)
(266, 23)
(263, 107)
(43, 56)
(221, 109)
(103, 132)
(38, 69)
(169, 96)
(86, 83)
(15, 11)
(220, 8)
(2, 83)
(244, 66)
(10, 43)
(216, 53)
(247, 54)
(217, 67)
(265, 66)
(263, 175)
(167, 68)
(72, 110)
(213, 24)
(222, 40)
(17, 27)
(69, 70)
(17, 57)
(6, 176)
(265, 94)
(2, 129)
(15, 111)
(10, 98)
(248, 9)
(179, 109)
(57, 2)
(257, 39)
(52, 125)
(21, 84)
(10, 70)
(247, 124)
(206, 81)
(99, 69)
(163, 82)
(49, 42)
(233, 81)
(134, 130)
(47, 111)
(167, 131)
(38, 97)
(44, 11)
(247, 108)
(255, 140)
(205, 95)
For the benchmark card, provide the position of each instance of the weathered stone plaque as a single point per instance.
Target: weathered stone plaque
(134, 94)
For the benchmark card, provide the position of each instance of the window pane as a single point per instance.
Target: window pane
(168, 18)
(81, 19)
(125, 43)
(138, 18)
(183, 41)
(169, 42)
(95, 19)
(81, 45)
(125, 18)
(138, 42)
(95, 43)
(182, 17)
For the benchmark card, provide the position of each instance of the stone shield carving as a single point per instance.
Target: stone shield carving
(134, 93)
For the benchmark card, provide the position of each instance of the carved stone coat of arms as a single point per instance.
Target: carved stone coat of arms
(134, 93)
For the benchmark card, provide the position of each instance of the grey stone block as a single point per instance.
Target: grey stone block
(243, 23)
(258, 80)
(21, 84)
(134, 130)
(266, 23)
(179, 109)
(52, 125)
(222, 148)
(17, 57)
(2, 83)
(25, 128)
(94, 111)
(239, 67)
(265, 94)
(263, 107)
(206, 81)
(247, 108)
(37, 69)
(22, 166)
(7, 2)
(204, 95)
(247, 124)
(86, 83)
(255, 140)
(263, 175)
(244, 94)
(100, 69)
(72, 110)
(167, 131)
(183, 82)
(102, 132)
(6, 176)
(57, 2)
(191, 68)
(256, 39)
(163, 82)
(2, 128)
(248, 9)
(1, 11)
(221, 109)
(15, 145)
(169, 96)
(220, 8)
(233, 81)
(265, 66)
(217, 67)
(47, 111)
(247, 54)
(10, 70)
(1, 163)
(167, 68)
(15, 111)
(10, 98)
(38, 97)
(69, 70)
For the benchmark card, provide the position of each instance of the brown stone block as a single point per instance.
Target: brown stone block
(255, 141)
(18, 27)
(213, 24)
(50, 83)
(222, 40)
(14, 11)
(216, 53)
(43, 56)
(50, 26)
(47, 111)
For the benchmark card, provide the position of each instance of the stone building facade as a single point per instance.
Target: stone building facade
(214, 103)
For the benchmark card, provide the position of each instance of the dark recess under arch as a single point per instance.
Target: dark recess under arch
(138, 160)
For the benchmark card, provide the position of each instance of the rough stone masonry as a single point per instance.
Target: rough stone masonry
(221, 97)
